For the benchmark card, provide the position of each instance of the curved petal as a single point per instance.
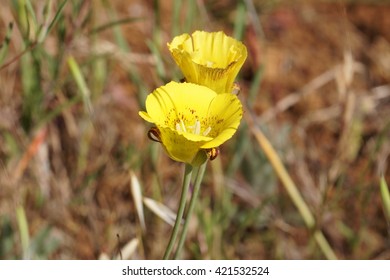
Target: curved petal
(178, 101)
(191, 117)
(210, 59)
(216, 49)
(225, 113)
(178, 147)
(145, 116)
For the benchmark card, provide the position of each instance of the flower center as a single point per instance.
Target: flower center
(209, 64)
(195, 128)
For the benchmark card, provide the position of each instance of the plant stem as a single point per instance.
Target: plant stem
(180, 211)
(198, 181)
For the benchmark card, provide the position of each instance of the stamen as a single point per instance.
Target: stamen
(154, 134)
(207, 131)
(178, 128)
(183, 126)
(212, 153)
(196, 129)
(236, 89)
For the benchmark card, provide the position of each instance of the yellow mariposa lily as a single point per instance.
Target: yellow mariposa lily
(210, 59)
(191, 118)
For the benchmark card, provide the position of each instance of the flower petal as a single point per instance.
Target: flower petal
(178, 147)
(191, 118)
(145, 116)
(210, 59)
(225, 113)
(175, 101)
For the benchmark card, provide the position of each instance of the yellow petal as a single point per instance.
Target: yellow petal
(145, 116)
(178, 147)
(225, 113)
(175, 101)
(210, 59)
(191, 118)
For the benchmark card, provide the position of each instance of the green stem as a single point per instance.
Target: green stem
(179, 216)
(198, 181)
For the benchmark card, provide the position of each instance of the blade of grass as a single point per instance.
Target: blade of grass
(137, 196)
(23, 230)
(240, 22)
(47, 25)
(124, 46)
(5, 44)
(162, 211)
(88, 130)
(56, 16)
(159, 61)
(81, 84)
(254, 18)
(22, 19)
(30, 10)
(42, 29)
(32, 24)
(176, 17)
(128, 250)
(114, 23)
(240, 150)
(191, 15)
(32, 90)
(157, 23)
(290, 187)
(385, 194)
(255, 85)
(99, 64)
(243, 141)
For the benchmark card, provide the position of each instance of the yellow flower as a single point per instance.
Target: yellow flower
(190, 118)
(209, 59)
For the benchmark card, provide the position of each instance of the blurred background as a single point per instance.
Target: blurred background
(74, 74)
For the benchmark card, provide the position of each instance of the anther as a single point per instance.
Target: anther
(212, 153)
(154, 134)
(236, 89)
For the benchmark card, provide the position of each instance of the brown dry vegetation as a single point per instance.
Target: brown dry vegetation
(323, 101)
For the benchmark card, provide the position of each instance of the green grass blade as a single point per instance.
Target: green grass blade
(176, 17)
(255, 86)
(385, 194)
(191, 15)
(42, 30)
(4, 46)
(31, 12)
(159, 60)
(81, 84)
(114, 23)
(124, 46)
(239, 25)
(23, 230)
(56, 16)
(46, 27)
